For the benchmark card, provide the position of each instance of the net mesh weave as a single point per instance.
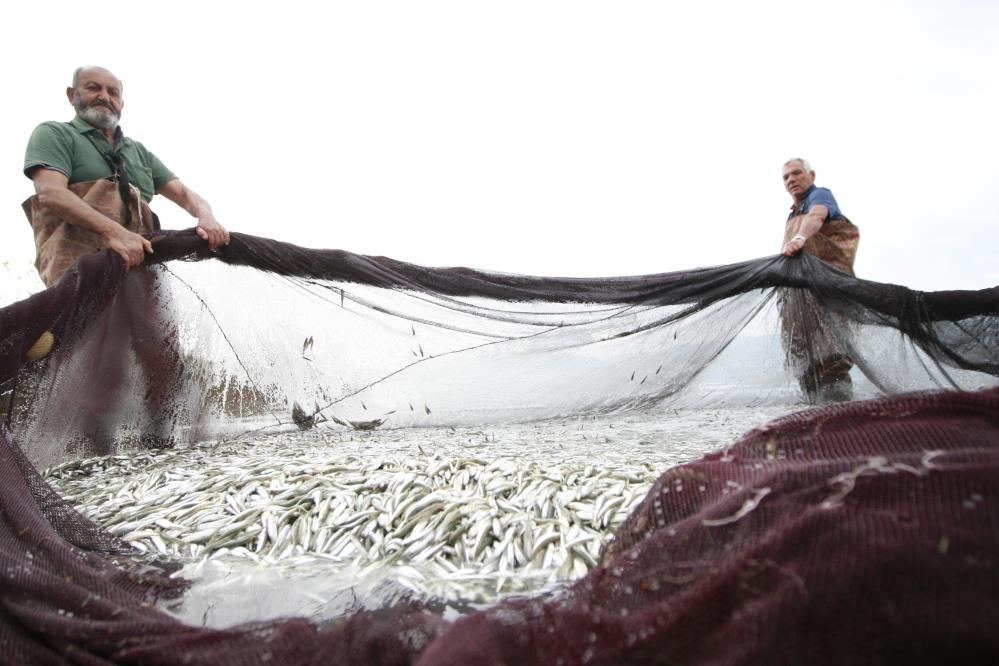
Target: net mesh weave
(849, 534)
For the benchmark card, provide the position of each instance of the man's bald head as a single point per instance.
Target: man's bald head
(83, 71)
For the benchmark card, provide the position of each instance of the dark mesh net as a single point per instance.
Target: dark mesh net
(179, 350)
(856, 533)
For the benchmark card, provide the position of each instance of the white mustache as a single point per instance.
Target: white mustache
(106, 106)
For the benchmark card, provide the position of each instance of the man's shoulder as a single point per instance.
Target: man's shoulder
(50, 140)
(820, 195)
(53, 128)
(51, 145)
(823, 196)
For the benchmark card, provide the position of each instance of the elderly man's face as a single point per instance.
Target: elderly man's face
(796, 179)
(97, 98)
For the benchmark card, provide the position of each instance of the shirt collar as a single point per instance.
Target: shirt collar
(85, 128)
(797, 202)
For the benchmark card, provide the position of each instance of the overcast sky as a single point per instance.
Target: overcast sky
(556, 138)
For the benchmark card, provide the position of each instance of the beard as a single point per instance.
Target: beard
(97, 115)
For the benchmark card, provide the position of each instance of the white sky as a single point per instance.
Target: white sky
(557, 138)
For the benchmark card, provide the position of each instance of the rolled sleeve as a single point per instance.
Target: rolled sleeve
(822, 196)
(161, 174)
(159, 171)
(49, 147)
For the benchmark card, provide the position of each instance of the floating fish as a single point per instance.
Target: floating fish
(366, 425)
(342, 422)
(301, 419)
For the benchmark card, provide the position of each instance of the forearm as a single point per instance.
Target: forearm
(810, 224)
(803, 227)
(54, 195)
(76, 211)
(208, 227)
(192, 202)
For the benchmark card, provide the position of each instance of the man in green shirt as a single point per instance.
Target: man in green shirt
(76, 208)
(92, 186)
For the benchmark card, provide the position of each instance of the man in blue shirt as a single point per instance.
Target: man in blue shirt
(816, 223)
(811, 333)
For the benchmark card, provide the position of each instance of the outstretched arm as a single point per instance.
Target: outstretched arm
(53, 192)
(811, 222)
(208, 227)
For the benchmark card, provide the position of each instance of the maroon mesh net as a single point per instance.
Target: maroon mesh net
(861, 533)
(864, 532)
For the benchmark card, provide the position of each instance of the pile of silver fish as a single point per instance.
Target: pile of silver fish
(435, 518)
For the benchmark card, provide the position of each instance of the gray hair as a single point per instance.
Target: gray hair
(78, 70)
(804, 163)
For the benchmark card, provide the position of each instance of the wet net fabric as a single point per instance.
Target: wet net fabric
(818, 538)
(863, 533)
(857, 532)
(185, 349)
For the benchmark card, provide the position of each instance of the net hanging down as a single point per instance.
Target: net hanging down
(378, 342)
(759, 552)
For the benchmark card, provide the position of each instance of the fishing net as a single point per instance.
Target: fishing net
(861, 529)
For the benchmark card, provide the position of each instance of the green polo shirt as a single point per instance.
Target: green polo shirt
(66, 148)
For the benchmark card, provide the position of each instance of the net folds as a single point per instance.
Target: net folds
(852, 533)
(858, 533)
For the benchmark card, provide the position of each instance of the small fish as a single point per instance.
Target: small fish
(426, 408)
(366, 425)
(454, 526)
(302, 420)
(336, 419)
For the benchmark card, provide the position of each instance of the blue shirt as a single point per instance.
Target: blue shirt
(815, 196)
